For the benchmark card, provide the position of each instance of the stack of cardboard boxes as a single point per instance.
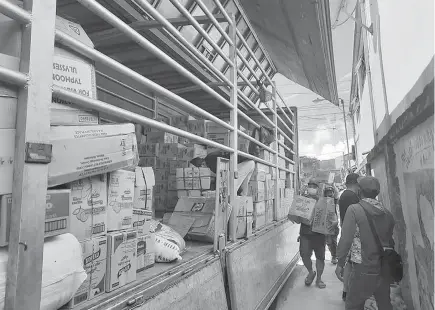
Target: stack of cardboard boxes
(167, 153)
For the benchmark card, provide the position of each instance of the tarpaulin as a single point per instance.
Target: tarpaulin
(297, 36)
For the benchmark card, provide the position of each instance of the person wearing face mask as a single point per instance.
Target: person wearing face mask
(310, 241)
(331, 240)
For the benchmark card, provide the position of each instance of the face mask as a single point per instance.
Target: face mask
(312, 191)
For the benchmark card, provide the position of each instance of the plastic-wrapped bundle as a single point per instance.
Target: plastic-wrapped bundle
(62, 271)
(169, 244)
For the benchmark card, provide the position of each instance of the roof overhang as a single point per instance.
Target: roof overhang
(297, 36)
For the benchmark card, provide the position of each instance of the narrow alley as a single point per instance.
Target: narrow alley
(294, 292)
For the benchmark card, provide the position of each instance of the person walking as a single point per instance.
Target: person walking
(310, 241)
(366, 280)
(349, 197)
(331, 240)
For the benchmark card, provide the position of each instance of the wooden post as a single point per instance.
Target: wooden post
(24, 268)
(277, 203)
(234, 135)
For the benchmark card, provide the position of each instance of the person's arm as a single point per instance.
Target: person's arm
(347, 233)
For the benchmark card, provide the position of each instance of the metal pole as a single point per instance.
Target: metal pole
(29, 188)
(97, 56)
(345, 128)
(277, 202)
(369, 79)
(109, 17)
(234, 135)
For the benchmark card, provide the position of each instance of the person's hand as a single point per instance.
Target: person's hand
(339, 273)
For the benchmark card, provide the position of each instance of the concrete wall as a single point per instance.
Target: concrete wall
(403, 161)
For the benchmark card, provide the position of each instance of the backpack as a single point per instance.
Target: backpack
(391, 261)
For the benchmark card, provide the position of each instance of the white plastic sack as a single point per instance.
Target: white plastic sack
(62, 271)
(169, 243)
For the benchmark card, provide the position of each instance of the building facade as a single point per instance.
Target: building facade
(392, 99)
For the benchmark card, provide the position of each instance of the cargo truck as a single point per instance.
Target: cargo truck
(172, 69)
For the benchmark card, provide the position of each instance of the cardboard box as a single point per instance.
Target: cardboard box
(99, 266)
(222, 138)
(259, 214)
(82, 294)
(200, 209)
(180, 121)
(70, 71)
(282, 175)
(84, 151)
(171, 150)
(175, 164)
(160, 202)
(142, 221)
(258, 176)
(256, 189)
(161, 175)
(154, 162)
(270, 191)
(145, 251)
(244, 216)
(57, 210)
(7, 151)
(149, 150)
(161, 188)
(161, 137)
(88, 212)
(120, 200)
(192, 151)
(302, 210)
(143, 189)
(270, 211)
(121, 259)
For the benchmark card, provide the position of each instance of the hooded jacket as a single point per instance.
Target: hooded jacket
(355, 217)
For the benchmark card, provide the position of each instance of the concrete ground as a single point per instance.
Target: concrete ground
(295, 295)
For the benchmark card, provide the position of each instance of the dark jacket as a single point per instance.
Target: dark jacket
(347, 198)
(384, 224)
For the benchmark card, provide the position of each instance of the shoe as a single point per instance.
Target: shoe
(343, 296)
(334, 260)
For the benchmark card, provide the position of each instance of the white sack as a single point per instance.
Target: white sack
(62, 271)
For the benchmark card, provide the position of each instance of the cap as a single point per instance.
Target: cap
(313, 181)
(369, 184)
(352, 178)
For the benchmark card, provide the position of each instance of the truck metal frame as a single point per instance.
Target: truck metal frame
(34, 80)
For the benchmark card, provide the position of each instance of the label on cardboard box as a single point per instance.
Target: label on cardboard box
(90, 150)
(57, 211)
(82, 294)
(120, 200)
(121, 259)
(56, 214)
(99, 268)
(142, 221)
(145, 251)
